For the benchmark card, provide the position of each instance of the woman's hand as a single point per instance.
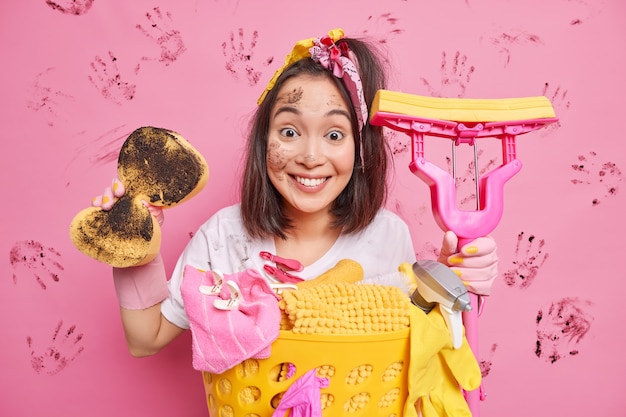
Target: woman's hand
(476, 263)
(114, 192)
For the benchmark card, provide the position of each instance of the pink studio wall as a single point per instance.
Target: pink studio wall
(79, 76)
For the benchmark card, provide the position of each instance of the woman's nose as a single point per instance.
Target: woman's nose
(312, 153)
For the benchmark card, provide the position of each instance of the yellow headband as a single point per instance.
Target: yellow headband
(299, 51)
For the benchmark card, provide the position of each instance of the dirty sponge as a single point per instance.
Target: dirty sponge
(156, 165)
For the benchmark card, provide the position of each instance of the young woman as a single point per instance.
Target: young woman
(312, 194)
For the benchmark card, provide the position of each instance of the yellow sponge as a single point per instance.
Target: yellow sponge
(462, 109)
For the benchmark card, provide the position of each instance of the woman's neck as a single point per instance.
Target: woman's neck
(310, 238)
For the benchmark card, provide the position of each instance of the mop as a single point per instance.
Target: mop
(463, 121)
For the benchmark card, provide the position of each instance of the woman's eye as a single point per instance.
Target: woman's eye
(288, 132)
(335, 135)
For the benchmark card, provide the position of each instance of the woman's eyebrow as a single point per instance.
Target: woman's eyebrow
(287, 109)
(296, 111)
(338, 112)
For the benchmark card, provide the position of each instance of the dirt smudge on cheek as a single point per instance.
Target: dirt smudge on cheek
(276, 158)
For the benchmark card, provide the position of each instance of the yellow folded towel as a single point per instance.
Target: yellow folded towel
(345, 308)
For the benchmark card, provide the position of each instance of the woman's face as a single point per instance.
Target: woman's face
(310, 152)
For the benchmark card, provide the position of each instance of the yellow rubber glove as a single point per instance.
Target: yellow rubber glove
(346, 270)
(437, 371)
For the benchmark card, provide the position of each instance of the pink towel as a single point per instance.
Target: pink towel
(303, 397)
(223, 338)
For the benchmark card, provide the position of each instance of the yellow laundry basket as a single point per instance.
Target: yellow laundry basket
(367, 376)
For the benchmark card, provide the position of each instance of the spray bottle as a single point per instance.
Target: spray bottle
(436, 283)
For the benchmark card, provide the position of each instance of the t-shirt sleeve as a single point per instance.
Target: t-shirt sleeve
(401, 243)
(196, 253)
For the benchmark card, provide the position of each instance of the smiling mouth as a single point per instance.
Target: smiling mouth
(310, 182)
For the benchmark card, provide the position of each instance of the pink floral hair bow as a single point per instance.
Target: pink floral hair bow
(341, 61)
(338, 59)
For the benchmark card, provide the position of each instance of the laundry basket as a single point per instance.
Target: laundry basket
(367, 376)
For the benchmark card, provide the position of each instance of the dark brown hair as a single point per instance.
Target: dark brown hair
(356, 206)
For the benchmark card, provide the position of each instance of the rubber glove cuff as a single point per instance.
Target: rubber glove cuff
(140, 287)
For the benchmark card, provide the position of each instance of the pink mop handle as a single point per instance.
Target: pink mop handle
(470, 322)
(468, 225)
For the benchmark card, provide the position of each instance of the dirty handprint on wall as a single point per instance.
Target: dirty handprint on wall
(159, 29)
(240, 59)
(561, 327)
(37, 260)
(64, 346)
(107, 78)
(529, 258)
(456, 73)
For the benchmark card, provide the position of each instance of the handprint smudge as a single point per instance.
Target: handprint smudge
(607, 174)
(399, 144)
(239, 57)
(564, 324)
(416, 217)
(389, 29)
(64, 347)
(110, 149)
(527, 264)
(103, 150)
(427, 251)
(74, 7)
(487, 364)
(506, 42)
(170, 40)
(560, 102)
(466, 182)
(40, 261)
(454, 77)
(580, 8)
(46, 98)
(108, 80)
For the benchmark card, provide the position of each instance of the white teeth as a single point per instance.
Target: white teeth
(310, 182)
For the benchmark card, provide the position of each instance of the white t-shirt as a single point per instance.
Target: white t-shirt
(222, 244)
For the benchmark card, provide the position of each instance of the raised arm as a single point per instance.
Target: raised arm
(140, 291)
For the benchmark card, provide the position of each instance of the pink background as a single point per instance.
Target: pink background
(197, 67)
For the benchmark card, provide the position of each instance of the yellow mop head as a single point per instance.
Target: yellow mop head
(462, 109)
